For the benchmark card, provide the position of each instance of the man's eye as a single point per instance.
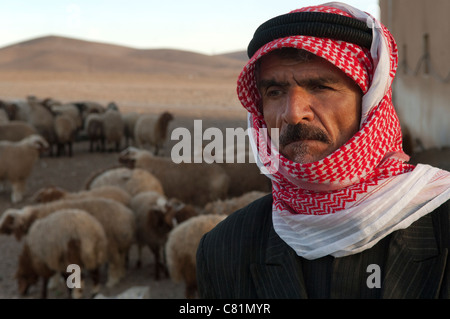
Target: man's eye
(273, 92)
(321, 87)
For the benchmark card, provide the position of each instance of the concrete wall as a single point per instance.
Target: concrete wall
(421, 93)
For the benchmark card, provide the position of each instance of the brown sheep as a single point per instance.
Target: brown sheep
(155, 218)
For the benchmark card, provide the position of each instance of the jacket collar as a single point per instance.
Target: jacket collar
(408, 257)
(282, 265)
(416, 252)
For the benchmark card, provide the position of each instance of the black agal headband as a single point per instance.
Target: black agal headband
(316, 24)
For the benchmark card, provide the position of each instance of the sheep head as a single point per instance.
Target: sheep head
(166, 117)
(36, 141)
(129, 156)
(7, 221)
(158, 222)
(17, 222)
(48, 194)
(178, 212)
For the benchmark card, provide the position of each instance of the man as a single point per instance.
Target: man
(347, 217)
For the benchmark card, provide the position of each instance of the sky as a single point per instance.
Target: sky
(208, 27)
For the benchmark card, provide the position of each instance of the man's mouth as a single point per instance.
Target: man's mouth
(301, 132)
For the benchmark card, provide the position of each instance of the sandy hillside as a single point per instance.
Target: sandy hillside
(145, 80)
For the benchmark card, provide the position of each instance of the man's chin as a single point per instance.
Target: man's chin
(301, 159)
(300, 152)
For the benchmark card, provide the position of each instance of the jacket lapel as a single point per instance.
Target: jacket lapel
(281, 265)
(415, 266)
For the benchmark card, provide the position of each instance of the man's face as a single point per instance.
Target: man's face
(316, 107)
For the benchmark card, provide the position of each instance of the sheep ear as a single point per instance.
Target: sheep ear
(22, 228)
(40, 143)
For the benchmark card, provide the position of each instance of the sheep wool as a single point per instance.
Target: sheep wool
(133, 181)
(15, 131)
(151, 130)
(195, 184)
(230, 205)
(52, 193)
(113, 128)
(17, 160)
(68, 236)
(117, 220)
(181, 249)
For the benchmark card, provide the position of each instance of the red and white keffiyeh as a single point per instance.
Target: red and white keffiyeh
(351, 199)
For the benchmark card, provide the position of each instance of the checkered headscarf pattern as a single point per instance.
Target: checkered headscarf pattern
(371, 155)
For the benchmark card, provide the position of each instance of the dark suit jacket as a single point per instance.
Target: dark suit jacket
(243, 257)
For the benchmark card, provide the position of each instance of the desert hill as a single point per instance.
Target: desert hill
(153, 80)
(54, 53)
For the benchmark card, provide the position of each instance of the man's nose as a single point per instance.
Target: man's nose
(298, 106)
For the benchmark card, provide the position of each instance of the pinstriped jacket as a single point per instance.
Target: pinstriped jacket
(243, 257)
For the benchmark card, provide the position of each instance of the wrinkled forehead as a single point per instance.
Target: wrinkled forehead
(280, 66)
(333, 36)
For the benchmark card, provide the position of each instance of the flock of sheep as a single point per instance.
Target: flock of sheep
(146, 200)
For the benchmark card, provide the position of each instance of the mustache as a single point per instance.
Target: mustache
(301, 132)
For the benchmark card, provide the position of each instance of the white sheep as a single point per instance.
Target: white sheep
(133, 181)
(152, 129)
(65, 130)
(113, 128)
(129, 120)
(155, 217)
(52, 193)
(181, 249)
(66, 237)
(19, 110)
(117, 220)
(15, 131)
(195, 184)
(89, 107)
(67, 123)
(42, 119)
(17, 160)
(230, 205)
(71, 110)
